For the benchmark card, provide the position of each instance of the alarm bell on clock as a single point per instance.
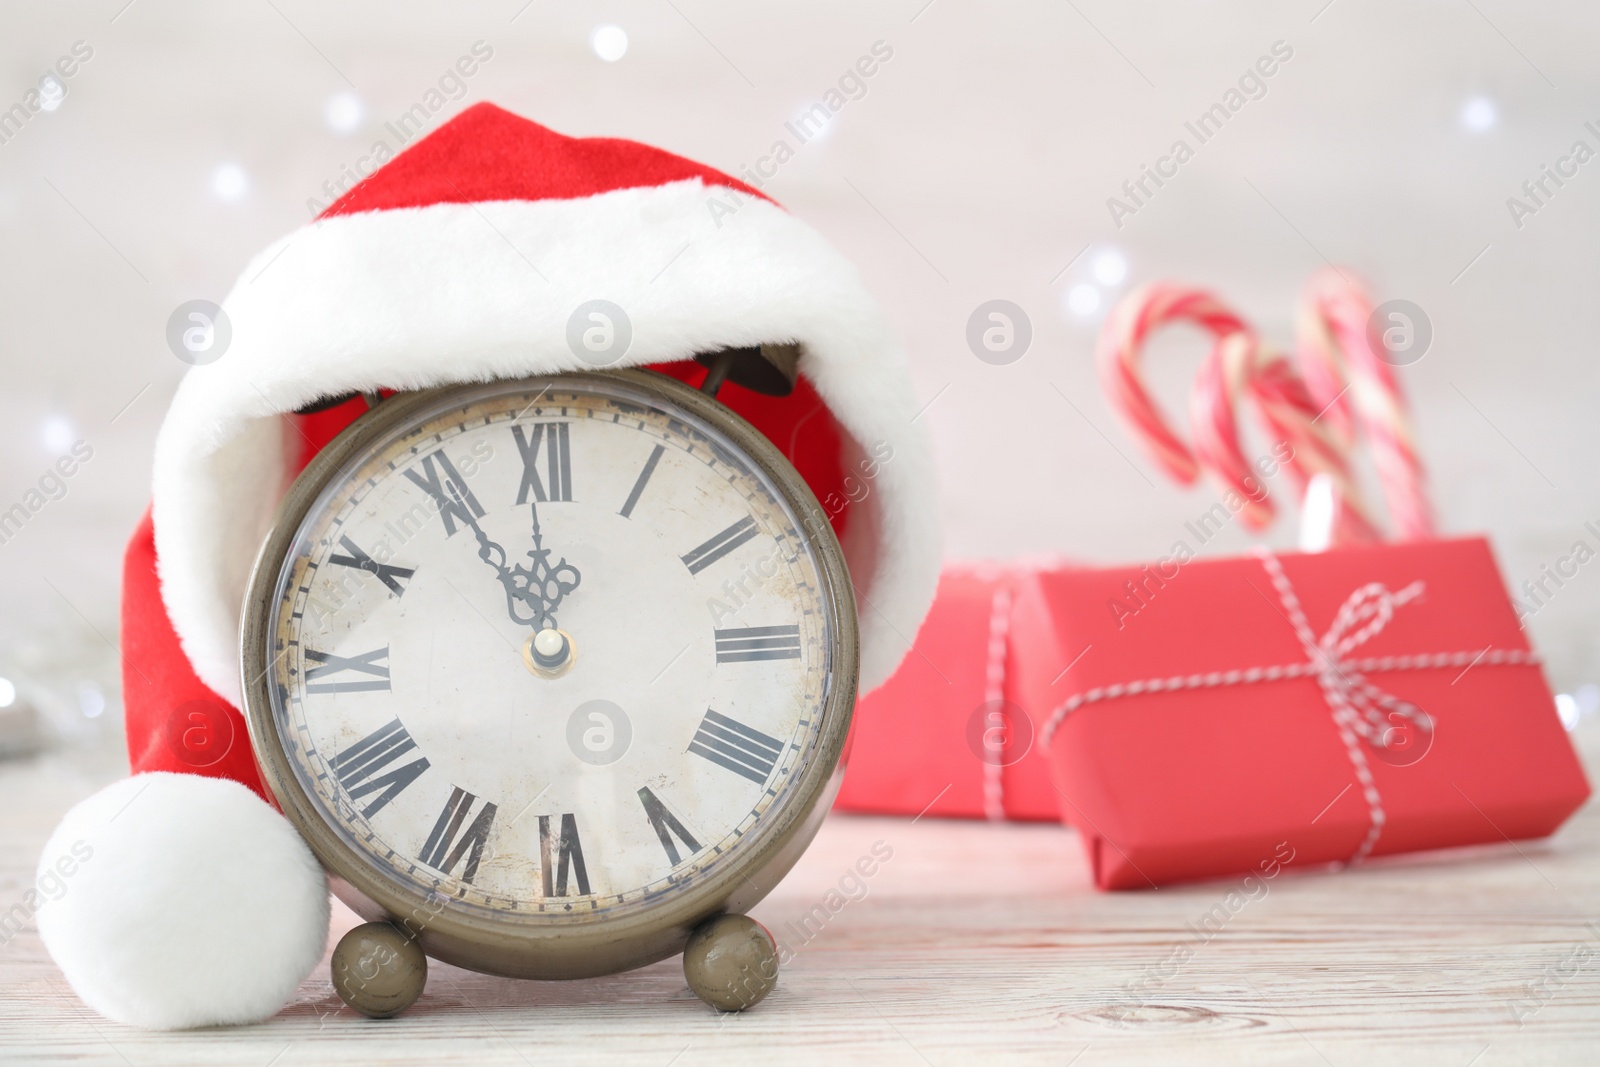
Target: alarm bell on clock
(542, 660)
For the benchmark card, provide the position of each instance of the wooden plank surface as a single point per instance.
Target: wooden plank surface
(973, 943)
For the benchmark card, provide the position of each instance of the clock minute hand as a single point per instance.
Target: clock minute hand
(552, 582)
(515, 588)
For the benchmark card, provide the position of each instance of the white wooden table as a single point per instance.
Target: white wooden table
(974, 943)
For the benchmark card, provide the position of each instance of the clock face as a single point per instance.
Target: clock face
(555, 648)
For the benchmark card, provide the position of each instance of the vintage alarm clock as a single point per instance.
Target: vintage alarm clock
(492, 676)
(467, 590)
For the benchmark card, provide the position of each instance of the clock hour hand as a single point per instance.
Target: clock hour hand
(532, 593)
(495, 556)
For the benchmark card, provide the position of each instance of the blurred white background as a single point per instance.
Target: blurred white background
(977, 166)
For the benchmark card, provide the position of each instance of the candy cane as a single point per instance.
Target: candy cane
(1238, 366)
(1290, 415)
(1122, 341)
(1343, 365)
(1226, 379)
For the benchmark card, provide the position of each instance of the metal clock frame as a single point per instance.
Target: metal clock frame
(531, 945)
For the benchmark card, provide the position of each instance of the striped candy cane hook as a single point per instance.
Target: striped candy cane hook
(1226, 379)
(1345, 368)
(1117, 356)
(1239, 366)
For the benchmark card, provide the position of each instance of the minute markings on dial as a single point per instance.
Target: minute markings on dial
(704, 555)
(731, 744)
(359, 559)
(363, 663)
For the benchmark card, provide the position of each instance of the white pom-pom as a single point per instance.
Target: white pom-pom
(172, 901)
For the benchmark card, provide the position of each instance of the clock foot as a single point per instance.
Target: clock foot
(731, 962)
(378, 970)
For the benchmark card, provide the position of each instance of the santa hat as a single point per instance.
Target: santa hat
(460, 260)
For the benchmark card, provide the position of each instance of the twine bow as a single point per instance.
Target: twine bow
(1368, 710)
(1362, 713)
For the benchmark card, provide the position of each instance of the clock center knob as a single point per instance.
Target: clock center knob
(550, 653)
(549, 643)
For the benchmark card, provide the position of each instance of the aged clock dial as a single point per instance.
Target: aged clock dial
(552, 651)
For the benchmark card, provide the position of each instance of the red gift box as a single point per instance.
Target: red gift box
(945, 736)
(1223, 713)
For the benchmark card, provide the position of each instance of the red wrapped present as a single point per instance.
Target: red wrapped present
(1358, 702)
(945, 736)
